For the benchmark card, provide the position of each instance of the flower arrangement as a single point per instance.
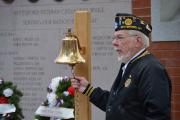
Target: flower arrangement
(9, 101)
(60, 93)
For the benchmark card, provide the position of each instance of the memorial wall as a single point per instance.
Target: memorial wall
(30, 38)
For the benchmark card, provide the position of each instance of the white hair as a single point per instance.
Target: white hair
(146, 40)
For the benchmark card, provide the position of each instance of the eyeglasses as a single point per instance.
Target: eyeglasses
(119, 37)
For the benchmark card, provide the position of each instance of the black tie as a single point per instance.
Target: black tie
(119, 77)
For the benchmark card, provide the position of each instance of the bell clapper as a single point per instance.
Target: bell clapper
(72, 71)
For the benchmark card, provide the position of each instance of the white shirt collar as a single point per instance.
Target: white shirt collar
(125, 66)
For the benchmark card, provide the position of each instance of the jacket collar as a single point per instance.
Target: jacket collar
(138, 55)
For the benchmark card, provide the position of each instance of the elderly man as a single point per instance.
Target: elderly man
(142, 88)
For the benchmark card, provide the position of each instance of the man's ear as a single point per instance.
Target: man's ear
(139, 41)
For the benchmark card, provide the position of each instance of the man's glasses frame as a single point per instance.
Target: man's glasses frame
(120, 37)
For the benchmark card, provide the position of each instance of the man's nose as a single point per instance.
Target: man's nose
(114, 42)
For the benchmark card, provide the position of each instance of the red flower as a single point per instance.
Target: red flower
(3, 100)
(71, 91)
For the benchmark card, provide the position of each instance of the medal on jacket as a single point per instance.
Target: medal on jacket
(128, 82)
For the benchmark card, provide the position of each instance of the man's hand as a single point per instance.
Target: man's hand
(79, 83)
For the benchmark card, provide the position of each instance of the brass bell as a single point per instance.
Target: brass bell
(69, 53)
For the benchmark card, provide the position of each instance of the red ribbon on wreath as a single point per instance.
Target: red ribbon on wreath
(71, 91)
(3, 100)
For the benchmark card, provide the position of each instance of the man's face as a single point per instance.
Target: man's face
(124, 44)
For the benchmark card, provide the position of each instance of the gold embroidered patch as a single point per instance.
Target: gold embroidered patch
(128, 21)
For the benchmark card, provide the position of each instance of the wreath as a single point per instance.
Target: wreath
(10, 96)
(60, 93)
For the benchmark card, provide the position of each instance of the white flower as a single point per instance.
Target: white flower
(65, 93)
(51, 97)
(8, 92)
(54, 83)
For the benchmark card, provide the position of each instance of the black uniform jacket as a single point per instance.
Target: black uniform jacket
(142, 93)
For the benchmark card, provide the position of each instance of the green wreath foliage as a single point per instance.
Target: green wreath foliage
(14, 99)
